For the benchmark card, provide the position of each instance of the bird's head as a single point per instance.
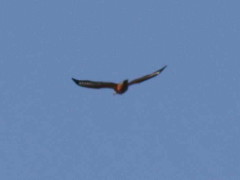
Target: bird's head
(125, 82)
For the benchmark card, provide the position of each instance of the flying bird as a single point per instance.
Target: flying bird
(119, 88)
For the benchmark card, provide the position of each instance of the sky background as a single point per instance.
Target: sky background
(182, 125)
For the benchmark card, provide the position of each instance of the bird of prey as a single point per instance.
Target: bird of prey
(119, 88)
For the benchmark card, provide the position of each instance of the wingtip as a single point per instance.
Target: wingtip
(164, 67)
(75, 80)
(160, 70)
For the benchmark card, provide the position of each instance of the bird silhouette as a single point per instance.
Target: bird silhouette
(119, 88)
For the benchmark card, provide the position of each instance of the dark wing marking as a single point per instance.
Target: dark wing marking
(94, 84)
(146, 77)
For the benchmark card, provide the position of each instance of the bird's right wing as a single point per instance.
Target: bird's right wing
(146, 77)
(94, 84)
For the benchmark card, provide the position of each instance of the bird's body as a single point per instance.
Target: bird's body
(119, 88)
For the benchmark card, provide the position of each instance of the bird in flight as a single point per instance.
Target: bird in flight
(119, 88)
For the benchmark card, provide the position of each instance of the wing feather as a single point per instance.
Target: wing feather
(146, 77)
(94, 84)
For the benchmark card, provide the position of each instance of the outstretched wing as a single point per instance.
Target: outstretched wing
(146, 77)
(94, 84)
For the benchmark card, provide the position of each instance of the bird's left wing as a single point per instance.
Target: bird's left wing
(94, 84)
(146, 77)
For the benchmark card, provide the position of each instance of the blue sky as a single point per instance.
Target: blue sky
(184, 124)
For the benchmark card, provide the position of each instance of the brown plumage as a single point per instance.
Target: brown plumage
(119, 88)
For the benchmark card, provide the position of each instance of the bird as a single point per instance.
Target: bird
(119, 88)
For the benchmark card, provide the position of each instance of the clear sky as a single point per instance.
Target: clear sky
(182, 125)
